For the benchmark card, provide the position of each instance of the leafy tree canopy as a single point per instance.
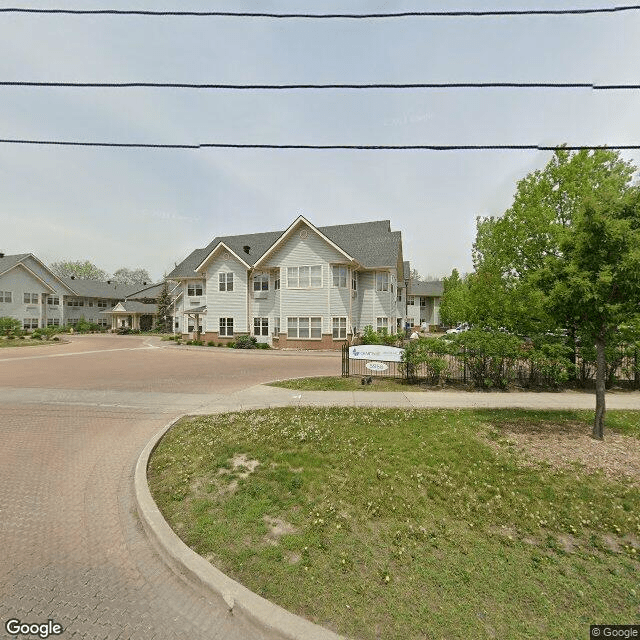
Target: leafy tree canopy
(545, 204)
(131, 276)
(83, 269)
(566, 253)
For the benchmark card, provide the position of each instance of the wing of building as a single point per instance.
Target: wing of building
(33, 294)
(304, 287)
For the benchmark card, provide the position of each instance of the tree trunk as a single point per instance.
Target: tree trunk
(601, 374)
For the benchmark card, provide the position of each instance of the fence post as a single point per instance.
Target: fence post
(345, 361)
(636, 367)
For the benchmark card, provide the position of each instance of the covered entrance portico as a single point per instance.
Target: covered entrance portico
(137, 316)
(194, 319)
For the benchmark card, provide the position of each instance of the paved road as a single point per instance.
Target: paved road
(73, 420)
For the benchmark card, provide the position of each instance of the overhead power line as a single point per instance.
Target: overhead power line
(353, 147)
(326, 16)
(289, 87)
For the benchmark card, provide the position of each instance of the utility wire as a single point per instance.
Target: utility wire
(288, 87)
(354, 147)
(325, 16)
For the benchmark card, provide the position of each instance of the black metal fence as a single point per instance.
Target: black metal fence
(524, 373)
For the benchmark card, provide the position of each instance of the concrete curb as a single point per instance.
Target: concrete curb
(207, 579)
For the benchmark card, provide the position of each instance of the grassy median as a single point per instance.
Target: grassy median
(337, 383)
(382, 523)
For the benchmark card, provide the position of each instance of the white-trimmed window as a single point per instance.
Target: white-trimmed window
(261, 282)
(102, 322)
(354, 280)
(5, 296)
(191, 325)
(54, 322)
(382, 323)
(53, 301)
(276, 280)
(194, 289)
(261, 326)
(102, 304)
(225, 281)
(72, 322)
(304, 277)
(226, 327)
(75, 302)
(276, 326)
(30, 323)
(423, 301)
(339, 328)
(339, 276)
(31, 298)
(382, 281)
(304, 327)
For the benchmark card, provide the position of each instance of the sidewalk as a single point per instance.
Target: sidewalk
(264, 395)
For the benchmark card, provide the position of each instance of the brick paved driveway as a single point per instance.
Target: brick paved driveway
(73, 419)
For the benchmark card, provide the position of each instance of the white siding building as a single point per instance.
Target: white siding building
(305, 287)
(33, 294)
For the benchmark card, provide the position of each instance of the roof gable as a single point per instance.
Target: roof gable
(9, 262)
(220, 247)
(301, 220)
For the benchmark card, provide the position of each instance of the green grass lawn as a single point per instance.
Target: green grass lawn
(27, 342)
(397, 524)
(337, 383)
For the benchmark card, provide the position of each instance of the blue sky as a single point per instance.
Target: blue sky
(150, 208)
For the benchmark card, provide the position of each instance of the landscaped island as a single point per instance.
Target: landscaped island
(389, 523)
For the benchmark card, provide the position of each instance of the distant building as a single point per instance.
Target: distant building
(33, 294)
(423, 301)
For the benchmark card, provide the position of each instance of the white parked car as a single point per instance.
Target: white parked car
(461, 328)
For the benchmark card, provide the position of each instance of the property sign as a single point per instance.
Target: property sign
(379, 352)
(376, 366)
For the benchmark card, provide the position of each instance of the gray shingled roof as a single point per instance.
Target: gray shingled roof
(133, 306)
(97, 289)
(406, 268)
(150, 291)
(8, 262)
(201, 309)
(372, 244)
(425, 288)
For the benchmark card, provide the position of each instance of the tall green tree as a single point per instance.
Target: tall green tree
(564, 253)
(595, 279)
(83, 269)
(454, 307)
(164, 307)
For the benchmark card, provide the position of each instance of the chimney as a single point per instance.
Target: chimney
(246, 248)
